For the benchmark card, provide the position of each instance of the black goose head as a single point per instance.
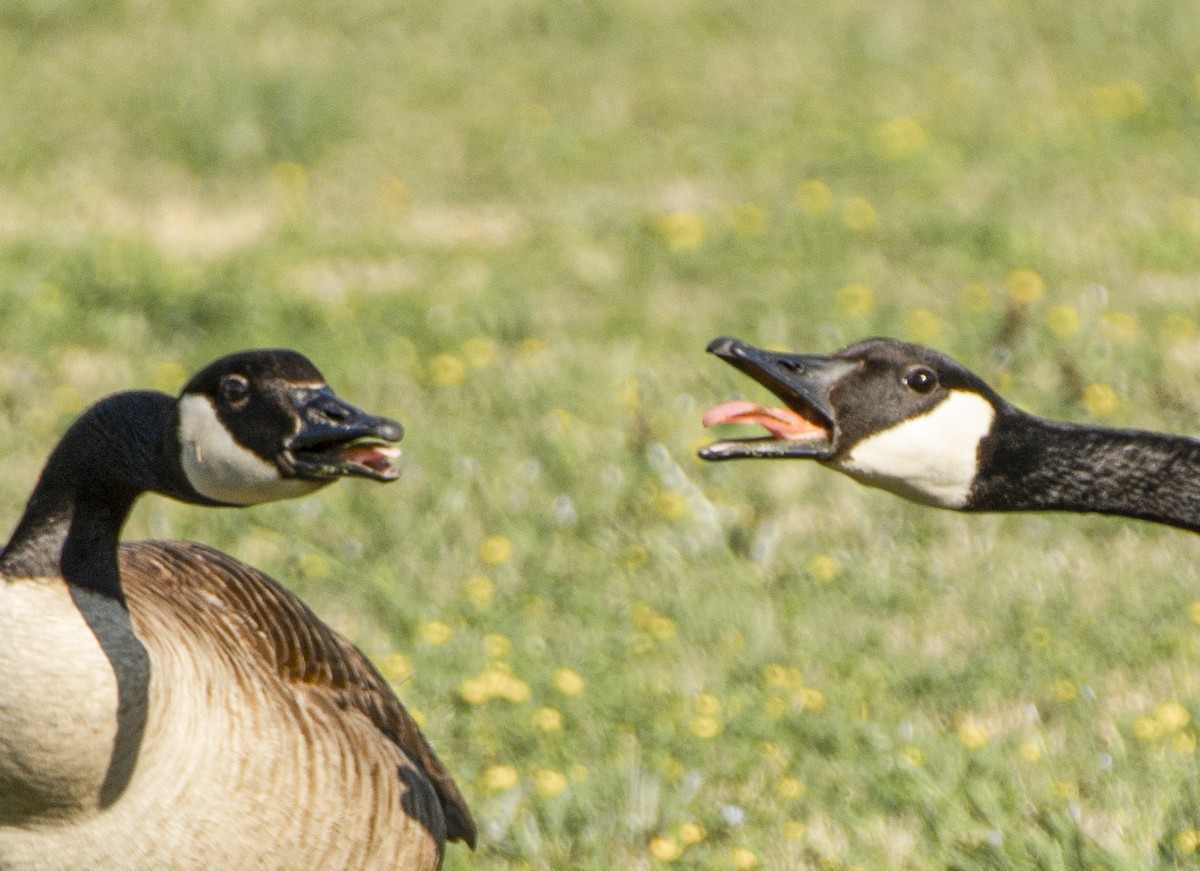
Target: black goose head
(888, 413)
(258, 426)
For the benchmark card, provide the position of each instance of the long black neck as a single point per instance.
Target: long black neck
(120, 448)
(1029, 464)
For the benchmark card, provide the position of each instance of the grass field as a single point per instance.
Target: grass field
(514, 226)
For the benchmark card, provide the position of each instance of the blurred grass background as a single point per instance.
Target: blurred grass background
(514, 226)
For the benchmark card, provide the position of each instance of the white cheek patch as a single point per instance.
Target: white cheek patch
(220, 468)
(931, 459)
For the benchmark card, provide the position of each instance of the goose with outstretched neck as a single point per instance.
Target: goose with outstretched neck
(913, 421)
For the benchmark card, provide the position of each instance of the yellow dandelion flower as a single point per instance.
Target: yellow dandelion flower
(813, 197)
(824, 568)
(775, 706)
(1026, 286)
(859, 215)
(1178, 327)
(776, 675)
(691, 833)
(672, 769)
(794, 830)
(1194, 611)
(913, 756)
(313, 565)
(1029, 751)
(1147, 728)
(665, 849)
(1121, 328)
(856, 299)
(512, 689)
(446, 370)
(748, 220)
(1065, 690)
(435, 632)
(706, 727)
(743, 859)
(549, 783)
(495, 550)
(790, 787)
(1173, 716)
(663, 628)
(972, 735)
(813, 699)
(397, 667)
(474, 691)
(478, 589)
(1119, 101)
(683, 231)
(1184, 742)
(497, 646)
(499, 778)
(496, 681)
(567, 681)
(899, 138)
(669, 505)
(480, 352)
(706, 703)
(977, 298)
(547, 719)
(1187, 841)
(1063, 789)
(922, 325)
(169, 377)
(1063, 320)
(1100, 399)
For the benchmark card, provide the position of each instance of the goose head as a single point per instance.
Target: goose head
(259, 426)
(890, 414)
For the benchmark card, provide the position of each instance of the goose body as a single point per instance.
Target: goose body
(164, 706)
(911, 420)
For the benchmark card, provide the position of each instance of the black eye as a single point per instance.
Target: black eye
(921, 379)
(234, 388)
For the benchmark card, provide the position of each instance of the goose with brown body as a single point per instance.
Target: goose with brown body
(164, 706)
(913, 421)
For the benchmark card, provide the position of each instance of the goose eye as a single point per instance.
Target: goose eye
(234, 388)
(921, 379)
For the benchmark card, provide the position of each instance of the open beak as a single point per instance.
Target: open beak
(338, 440)
(804, 428)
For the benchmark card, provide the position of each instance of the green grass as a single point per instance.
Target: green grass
(514, 226)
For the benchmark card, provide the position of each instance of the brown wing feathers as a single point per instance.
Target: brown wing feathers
(262, 619)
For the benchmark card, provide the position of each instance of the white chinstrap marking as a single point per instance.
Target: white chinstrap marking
(933, 458)
(220, 468)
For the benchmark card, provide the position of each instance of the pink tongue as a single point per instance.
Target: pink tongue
(374, 456)
(782, 423)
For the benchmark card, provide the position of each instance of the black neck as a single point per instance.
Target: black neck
(1029, 464)
(119, 449)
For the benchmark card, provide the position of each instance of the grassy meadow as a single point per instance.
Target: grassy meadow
(514, 226)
